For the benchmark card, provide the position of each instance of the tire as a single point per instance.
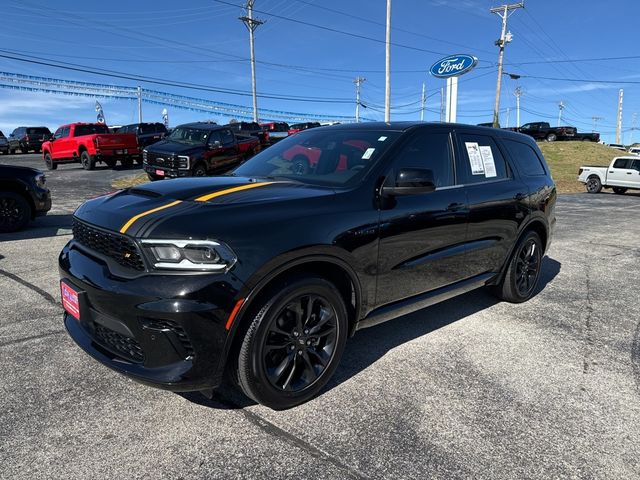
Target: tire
(619, 190)
(49, 162)
(12, 151)
(304, 345)
(153, 177)
(127, 162)
(199, 170)
(300, 165)
(521, 278)
(587, 140)
(87, 161)
(593, 185)
(15, 212)
(552, 137)
(110, 162)
(139, 161)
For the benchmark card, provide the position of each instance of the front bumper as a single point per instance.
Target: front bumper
(163, 330)
(167, 172)
(42, 201)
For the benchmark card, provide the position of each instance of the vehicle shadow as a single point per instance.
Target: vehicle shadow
(371, 344)
(42, 227)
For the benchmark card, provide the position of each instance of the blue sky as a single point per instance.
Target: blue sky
(203, 42)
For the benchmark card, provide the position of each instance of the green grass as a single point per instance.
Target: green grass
(564, 159)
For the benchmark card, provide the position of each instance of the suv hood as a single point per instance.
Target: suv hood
(168, 147)
(134, 210)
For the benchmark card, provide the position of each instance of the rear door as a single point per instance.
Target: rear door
(634, 181)
(422, 236)
(498, 202)
(621, 175)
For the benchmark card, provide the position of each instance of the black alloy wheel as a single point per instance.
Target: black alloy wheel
(523, 271)
(87, 161)
(619, 190)
(528, 267)
(15, 212)
(293, 344)
(48, 161)
(199, 170)
(594, 185)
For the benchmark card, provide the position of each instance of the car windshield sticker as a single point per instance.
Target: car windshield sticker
(475, 158)
(382, 139)
(367, 154)
(488, 162)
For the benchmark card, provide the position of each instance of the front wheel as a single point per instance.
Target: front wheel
(48, 161)
(594, 185)
(199, 170)
(523, 271)
(15, 212)
(87, 161)
(293, 344)
(551, 137)
(619, 190)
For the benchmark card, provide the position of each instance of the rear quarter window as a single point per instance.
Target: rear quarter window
(525, 158)
(480, 160)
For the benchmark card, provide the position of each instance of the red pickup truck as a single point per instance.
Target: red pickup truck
(89, 143)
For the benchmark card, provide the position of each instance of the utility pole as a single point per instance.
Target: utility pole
(251, 24)
(358, 81)
(595, 123)
(387, 83)
(504, 12)
(560, 109)
(139, 104)
(442, 104)
(619, 122)
(423, 102)
(634, 119)
(518, 94)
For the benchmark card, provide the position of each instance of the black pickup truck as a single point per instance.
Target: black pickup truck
(544, 131)
(197, 149)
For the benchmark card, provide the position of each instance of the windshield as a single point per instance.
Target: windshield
(90, 130)
(321, 157)
(188, 135)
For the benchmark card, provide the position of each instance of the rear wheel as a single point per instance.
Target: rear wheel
(293, 344)
(594, 185)
(619, 190)
(127, 162)
(110, 162)
(15, 212)
(523, 272)
(87, 161)
(48, 161)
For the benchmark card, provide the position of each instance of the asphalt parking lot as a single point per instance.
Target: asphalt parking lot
(469, 388)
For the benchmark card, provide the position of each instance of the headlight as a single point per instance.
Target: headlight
(40, 180)
(183, 162)
(197, 255)
(144, 156)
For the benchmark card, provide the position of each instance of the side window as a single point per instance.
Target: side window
(58, 134)
(214, 137)
(227, 137)
(65, 132)
(636, 165)
(430, 151)
(480, 160)
(621, 163)
(525, 158)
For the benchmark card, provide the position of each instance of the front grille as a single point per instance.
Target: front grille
(175, 328)
(118, 247)
(161, 160)
(126, 347)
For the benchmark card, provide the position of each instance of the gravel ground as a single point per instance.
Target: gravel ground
(470, 388)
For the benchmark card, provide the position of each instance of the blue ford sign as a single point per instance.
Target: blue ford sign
(453, 66)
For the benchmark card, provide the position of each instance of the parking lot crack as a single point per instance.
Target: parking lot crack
(30, 286)
(589, 342)
(33, 337)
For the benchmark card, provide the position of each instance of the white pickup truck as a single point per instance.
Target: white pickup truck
(623, 174)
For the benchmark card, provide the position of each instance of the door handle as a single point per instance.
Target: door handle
(629, 173)
(454, 207)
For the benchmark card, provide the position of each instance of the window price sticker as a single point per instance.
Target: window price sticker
(488, 162)
(367, 154)
(475, 158)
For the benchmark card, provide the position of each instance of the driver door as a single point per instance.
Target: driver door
(422, 237)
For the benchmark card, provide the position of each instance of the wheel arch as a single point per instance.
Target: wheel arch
(17, 186)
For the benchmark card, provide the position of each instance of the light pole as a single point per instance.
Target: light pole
(358, 81)
(251, 24)
(518, 94)
(387, 83)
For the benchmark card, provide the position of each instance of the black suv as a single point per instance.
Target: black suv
(23, 196)
(147, 133)
(28, 138)
(264, 273)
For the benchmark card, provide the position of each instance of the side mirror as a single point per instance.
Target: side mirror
(411, 181)
(215, 145)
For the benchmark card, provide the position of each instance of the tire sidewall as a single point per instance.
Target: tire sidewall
(599, 185)
(252, 376)
(26, 208)
(511, 272)
(86, 161)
